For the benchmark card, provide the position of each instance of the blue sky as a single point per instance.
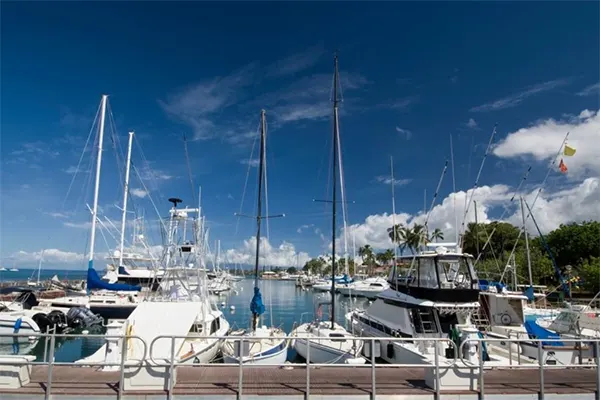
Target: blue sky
(412, 75)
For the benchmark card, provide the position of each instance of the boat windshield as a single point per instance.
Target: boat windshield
(438, 272)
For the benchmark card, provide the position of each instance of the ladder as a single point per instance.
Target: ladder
(426, 321)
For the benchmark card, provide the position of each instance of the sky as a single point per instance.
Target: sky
(414, 76)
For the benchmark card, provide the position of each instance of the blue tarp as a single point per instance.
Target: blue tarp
(529, 293)
(537, 332)
(256, 305)
(94, 282)
(122, 271)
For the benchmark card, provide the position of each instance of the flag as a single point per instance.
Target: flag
(562, 166)
(569, 151)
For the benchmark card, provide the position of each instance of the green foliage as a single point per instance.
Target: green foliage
(504, 238)
(573, 244)
(291, 270)
(408, 238)
(314, 266)
(436, 234)
(590, 274)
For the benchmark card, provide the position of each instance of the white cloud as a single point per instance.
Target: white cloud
(404, 132)
(140, 193)
(575, 204)
(542, 140)
(298, 112)
(196, 105)
(285, 255)
(388, 180)
(51, 256)
(74, 170)
(296, 62)
(472, 124)
(253, 162)
(304, 227)
(589, 90)
(515, 99)
(78, 225)
(57, 214)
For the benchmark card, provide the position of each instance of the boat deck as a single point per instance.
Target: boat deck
(221, 380)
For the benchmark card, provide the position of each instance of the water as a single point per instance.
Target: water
(24, 274)
(285, 306)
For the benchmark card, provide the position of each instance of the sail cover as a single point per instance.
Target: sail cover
(94, 282)
(256, 305)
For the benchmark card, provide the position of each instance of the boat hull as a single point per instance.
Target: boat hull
(320, 354)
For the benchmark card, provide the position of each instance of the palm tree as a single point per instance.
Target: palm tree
(389, 255)
(366, 253)
(399, 234)
(437, 234)
(417, 237)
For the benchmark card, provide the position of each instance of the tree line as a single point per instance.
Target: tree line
(575, 247)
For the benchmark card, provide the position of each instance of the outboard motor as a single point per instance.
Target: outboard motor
(83, 317)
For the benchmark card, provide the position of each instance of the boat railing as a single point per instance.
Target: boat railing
(437, 362)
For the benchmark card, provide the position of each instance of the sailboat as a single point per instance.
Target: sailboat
(253, 349)
(105, 301)
(329, 341)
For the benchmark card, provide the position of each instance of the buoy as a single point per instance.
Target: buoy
(85, 332)
(232, 308)
(222, 304)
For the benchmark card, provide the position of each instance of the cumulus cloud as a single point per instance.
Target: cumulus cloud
(575, 204)
(51, 256)
(542, 140)
(284, 255)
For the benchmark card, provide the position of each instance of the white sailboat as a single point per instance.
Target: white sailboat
(329, 341)
(253, 349)
(106, 301)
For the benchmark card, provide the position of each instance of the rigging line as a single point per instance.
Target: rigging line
(150, 173)
(516, 192)
(454, 189)
(468, 179)
(237, 224)
(189, 167)
(266, 189)
(162, 223)
(81, 157)
(550, 169)
(343, 195)
(437, 189)
(85, 188)
(114, 138)
(476, 185)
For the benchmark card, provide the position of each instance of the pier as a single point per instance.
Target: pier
(23, 378)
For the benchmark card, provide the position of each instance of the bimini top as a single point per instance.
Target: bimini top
(438, 276)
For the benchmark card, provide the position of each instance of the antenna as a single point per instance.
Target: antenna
(175, 201)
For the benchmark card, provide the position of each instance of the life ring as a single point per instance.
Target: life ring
(505, 319)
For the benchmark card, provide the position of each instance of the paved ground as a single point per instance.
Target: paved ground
(333, 381)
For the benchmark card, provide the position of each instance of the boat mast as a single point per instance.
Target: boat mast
(125, 191)
(259, 208)
(394, 268)
(526, 245)
(333, 197)
(97, 185)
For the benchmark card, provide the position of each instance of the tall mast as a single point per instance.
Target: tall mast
(526, 245)
(97, 186)
(125, 191)
(259, 208)
(333, 199)
(394, 220)
(476, 228)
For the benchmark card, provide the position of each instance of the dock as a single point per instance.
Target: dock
(221, 382)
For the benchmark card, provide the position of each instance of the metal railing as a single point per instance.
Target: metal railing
(458, 361)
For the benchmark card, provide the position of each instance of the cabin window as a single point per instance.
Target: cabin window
(427, 275)
(215, 325)
(456, 273)
(337, 337)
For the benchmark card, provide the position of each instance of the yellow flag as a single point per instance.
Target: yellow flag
(569, 151)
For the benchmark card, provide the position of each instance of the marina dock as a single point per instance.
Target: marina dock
(221, 382)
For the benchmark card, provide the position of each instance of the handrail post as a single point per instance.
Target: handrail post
(47, 394)
(541, 364)
(241, 369)
(171, 369)
(373, 384)
(124, 350)
(46, 343)
(481, 393)
(437, 374)
(307, 393)
(597, 357)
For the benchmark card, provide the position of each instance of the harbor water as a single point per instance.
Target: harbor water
(285, 306)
